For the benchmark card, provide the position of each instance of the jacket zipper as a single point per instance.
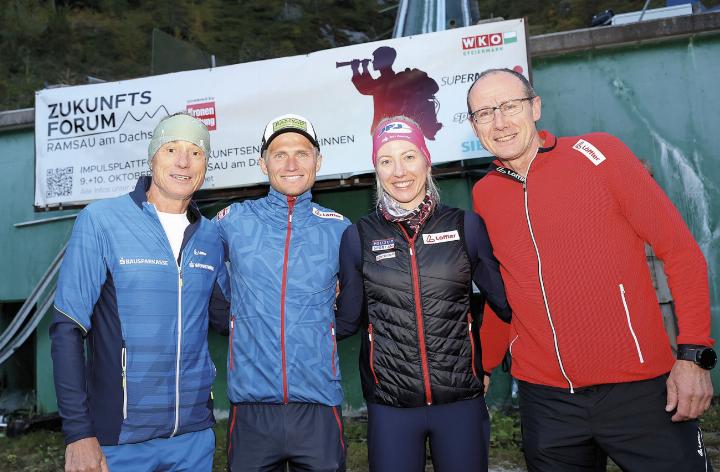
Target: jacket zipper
(334, 348)
(179, 350)
(291, 206)
(372, 357)
(418, 316)
(632, 331)
(542, 283)
(123, 363)
(230, 348)
(472, 344)
(513, 342)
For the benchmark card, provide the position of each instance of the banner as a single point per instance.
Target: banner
(91, 140)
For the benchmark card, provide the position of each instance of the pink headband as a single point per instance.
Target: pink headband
(398, 129)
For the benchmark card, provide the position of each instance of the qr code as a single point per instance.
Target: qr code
(59, 182)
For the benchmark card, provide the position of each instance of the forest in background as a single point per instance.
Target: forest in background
(65, 41)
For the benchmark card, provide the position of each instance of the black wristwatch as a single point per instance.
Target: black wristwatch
(703, 356)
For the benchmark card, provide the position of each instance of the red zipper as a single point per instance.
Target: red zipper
(232, 330)
(340, 427)
(332, 333)
(372, 361)
(472, 344)
(291, 205)
(418, 315)
(232, 425)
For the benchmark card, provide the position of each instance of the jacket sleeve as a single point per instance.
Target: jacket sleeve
(219, 309)
(82, 275)
(494, 337)
(656, 220)
(351, 301)
(486, 269)
(220, 224)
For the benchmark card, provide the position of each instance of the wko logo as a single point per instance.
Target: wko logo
(491, 40)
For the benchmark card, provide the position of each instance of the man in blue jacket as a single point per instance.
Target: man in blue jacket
(136, 284)
(283, 371)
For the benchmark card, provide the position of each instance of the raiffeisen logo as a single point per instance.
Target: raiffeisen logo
(484, 43)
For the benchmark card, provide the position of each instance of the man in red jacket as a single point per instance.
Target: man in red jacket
(568, 219)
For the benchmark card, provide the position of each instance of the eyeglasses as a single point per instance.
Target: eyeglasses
(509, 108)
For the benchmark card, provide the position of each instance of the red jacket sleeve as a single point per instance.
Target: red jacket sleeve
(494, 339)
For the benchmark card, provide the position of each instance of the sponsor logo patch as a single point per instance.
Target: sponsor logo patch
(436, 238)
(396, 127)
(199, 252)
(142, 260)
(701, 447)
(221, 214)
(383, 244)
(327, 214)
(197, 265)
(289, 123)
(385, 255)
(590, 151)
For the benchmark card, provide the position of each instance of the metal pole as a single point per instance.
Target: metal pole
(642, 14)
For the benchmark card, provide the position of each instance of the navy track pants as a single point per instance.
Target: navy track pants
(265, 437)
(459, 435)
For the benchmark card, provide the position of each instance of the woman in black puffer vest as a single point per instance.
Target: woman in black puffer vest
(406, 274)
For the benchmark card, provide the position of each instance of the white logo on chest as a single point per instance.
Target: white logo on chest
(436, 238)
(327, 214)
(590, 151)
(385, 255)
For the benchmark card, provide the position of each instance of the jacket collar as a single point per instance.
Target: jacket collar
(274, 208)
(549, 142)
(139, 196)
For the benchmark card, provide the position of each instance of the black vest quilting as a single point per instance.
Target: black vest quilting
(391, 359)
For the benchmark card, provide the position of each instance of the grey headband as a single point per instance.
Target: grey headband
(180, 128)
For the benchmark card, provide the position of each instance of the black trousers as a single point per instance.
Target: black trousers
(301, 436)
(565, 431)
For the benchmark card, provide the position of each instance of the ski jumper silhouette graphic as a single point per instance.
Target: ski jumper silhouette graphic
(410, 92)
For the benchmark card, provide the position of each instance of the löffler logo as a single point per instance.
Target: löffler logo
(205, 112)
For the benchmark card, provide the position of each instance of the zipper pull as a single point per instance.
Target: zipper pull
(124, 367)
(370, 333)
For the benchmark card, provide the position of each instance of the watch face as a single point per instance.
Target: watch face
(707, 358)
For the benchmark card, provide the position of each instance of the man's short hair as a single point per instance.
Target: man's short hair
(529, 90)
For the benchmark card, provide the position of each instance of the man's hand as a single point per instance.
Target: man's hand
(689, 391)
(486, 383)
(85, 455)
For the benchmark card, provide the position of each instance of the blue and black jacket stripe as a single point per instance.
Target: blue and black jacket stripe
(147, 372)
